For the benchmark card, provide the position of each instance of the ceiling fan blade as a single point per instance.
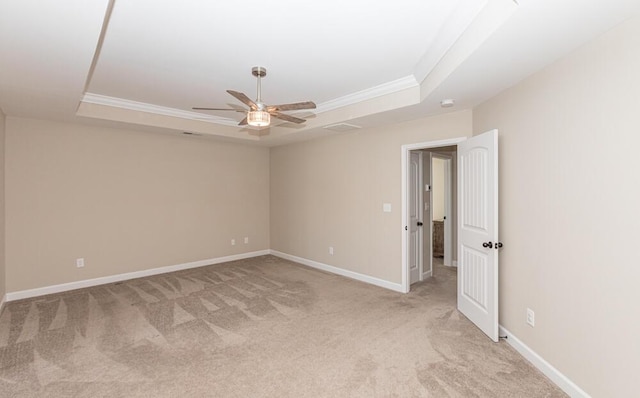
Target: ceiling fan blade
(243, 122)
(288, 118)
(217, 109)
(292, 107)
(244, 99)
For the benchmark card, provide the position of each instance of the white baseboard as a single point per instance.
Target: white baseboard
(545, 367)
(339, 271)
(427, 274)
(41, 291)
(4, 299)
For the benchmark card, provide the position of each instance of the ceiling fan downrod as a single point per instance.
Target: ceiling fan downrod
(259, 72)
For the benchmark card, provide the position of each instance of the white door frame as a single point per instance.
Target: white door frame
(405, 149)
(429, 220)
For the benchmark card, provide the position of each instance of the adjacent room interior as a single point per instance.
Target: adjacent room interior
(166, 229)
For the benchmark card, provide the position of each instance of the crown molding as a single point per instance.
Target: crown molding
(450, 32)
(391, 87)
(377, 91)
(122, 103)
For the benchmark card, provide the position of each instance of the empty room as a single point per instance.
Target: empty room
(319, 199)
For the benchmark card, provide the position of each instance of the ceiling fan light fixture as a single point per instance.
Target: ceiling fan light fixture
(259, 114)
(258, 118)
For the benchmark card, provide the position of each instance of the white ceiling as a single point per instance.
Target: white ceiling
(144, 64)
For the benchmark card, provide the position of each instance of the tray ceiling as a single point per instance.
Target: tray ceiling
(147, 63)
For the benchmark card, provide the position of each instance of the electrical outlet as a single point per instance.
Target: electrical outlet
(79, 262)
(331, 250)
(246, 240)
(531, 317)
(233, 242)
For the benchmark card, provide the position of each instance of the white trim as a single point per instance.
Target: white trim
(453, 28)
(455, 263)
(427, 274)
(391, 87)
(405, 219)
(430, 212)
(420, 215)
(4, 299)
(41, 291)
(405, 208)
(340, 271)
(545, 367)
(91, 98)
(373, 92)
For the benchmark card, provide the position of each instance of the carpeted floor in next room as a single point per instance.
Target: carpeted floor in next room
(262, 327)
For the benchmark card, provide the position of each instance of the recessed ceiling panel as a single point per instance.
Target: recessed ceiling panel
(186, 53)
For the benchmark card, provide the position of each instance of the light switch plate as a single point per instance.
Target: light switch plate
(386, 207)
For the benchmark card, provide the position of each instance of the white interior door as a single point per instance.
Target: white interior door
(478, 231)
(415, 212)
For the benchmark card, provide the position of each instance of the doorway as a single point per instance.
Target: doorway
(476, 221)
(442, 204)
(417, 254)
(432, 204)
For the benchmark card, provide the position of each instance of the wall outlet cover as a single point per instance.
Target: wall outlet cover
(531, 317)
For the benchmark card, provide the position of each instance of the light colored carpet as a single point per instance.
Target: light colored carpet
(262, 327)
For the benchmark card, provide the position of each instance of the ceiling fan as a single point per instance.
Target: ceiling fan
(259, 114)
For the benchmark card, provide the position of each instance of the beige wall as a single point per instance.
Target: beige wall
(125, 201)
(3, 286)
(330, 192)
(569, 138)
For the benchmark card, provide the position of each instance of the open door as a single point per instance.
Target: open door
(415, 217)
(478, 231)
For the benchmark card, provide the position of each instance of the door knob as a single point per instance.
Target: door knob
(419, 223)
(487, 244)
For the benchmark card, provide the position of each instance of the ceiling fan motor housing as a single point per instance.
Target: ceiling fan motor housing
(259, 71)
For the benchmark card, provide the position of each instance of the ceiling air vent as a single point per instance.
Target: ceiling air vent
(342, 127)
